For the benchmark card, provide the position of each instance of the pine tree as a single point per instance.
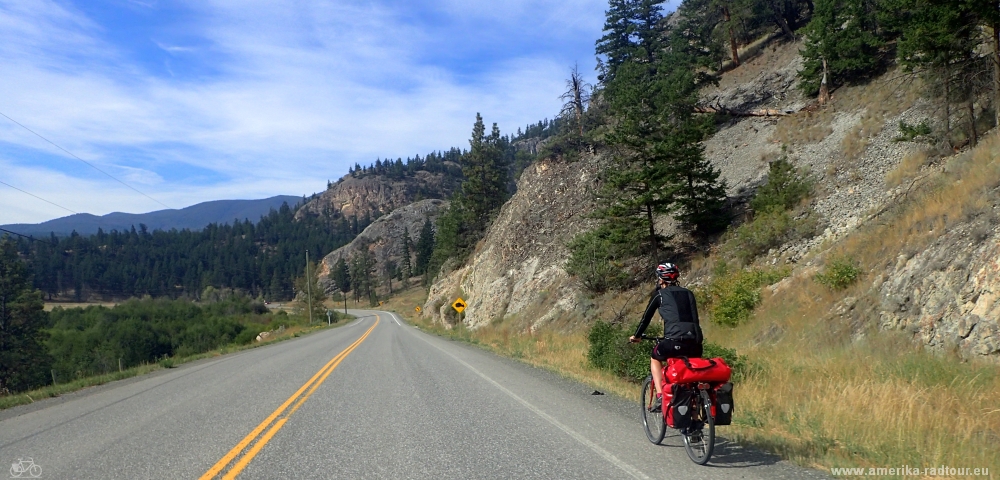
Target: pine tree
(616, 45)
(424, 248)
(941, 39)
(24, 361)
(844, 34)
(484, 188)
(406, 268)
(341, 276)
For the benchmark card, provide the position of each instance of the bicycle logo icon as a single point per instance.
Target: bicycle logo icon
(25, 466)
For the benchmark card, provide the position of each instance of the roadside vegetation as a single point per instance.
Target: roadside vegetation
(58, 389)
(45, 354)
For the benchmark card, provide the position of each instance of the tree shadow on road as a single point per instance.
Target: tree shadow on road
(727, 453)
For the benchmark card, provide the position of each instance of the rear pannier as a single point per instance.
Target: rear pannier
(679, 409)
(723, 404)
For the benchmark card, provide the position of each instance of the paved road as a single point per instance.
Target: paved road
(373, 399)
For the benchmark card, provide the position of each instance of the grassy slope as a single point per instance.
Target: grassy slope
(826, 392)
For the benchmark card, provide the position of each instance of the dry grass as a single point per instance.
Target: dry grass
(804, 127)
(51, 305)
(823, 399)
(907, 169)
(878, 101)
(832, 391)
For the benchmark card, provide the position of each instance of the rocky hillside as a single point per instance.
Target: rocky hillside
(384, 237)
(518, 268)
(375, 195)
(851, 149)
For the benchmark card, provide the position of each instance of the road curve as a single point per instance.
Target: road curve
(375, 398)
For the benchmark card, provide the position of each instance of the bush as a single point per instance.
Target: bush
(596, 258)
(611, 352)
(785, 188)
(733, 296)
(839, 274)
(908, 133)
(768, 230)
(739, 363)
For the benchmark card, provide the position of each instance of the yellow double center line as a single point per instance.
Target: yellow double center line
(297, 399)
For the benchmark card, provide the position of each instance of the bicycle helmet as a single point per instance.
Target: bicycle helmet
(667, 272)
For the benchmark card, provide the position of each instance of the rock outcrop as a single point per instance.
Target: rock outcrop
(384, 237)
(518, 268)
(375, 195)
(948, 295)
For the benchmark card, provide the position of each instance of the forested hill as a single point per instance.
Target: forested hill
(194, 217)
(262, 259)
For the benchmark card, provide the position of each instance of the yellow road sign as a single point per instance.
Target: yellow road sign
(459, 305)
(418, 308)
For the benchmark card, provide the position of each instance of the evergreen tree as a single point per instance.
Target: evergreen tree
(941, 39)
(24, 361)
(406, 268)
(616, 45)
(424, 248)
(341, 276)
(845, 34)
(484, 188)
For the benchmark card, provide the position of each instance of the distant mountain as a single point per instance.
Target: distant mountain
(194, 217)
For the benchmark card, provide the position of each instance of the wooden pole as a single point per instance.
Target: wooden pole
(309, 290)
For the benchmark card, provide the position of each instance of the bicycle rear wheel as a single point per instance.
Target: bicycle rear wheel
(699, 439)
(653, 422)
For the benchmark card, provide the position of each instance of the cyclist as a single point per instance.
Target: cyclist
(681, 332)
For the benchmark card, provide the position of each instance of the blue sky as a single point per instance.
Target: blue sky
(216, 99)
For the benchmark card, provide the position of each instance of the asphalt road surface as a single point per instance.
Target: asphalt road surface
(375, 398)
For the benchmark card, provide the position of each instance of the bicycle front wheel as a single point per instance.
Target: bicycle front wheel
(652, 421)
(699, 439)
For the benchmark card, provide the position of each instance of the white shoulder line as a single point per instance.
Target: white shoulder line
(629, 469)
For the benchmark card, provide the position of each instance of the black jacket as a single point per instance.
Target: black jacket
(676, 306)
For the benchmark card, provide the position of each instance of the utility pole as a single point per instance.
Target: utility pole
(309, 300)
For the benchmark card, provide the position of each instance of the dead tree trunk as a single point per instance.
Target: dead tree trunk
(972, 122)
(996, 72)
(732, 37)
(824, 89)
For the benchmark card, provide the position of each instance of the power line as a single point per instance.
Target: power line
(36, 196)
(29, 237)
(84, 161)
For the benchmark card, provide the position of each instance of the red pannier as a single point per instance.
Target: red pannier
(689, 370)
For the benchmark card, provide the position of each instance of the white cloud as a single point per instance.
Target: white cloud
(295, 93)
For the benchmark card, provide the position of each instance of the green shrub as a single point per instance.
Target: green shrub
(769, 229)
(907, 132)
(785, 188)
(610, 351)
(839, 273)
(596, 258)
(167, 362)
(739, 363)
(733, 296)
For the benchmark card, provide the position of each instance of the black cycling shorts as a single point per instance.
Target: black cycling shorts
(669, 348)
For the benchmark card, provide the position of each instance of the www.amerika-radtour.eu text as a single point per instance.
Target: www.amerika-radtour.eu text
(906, 471)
